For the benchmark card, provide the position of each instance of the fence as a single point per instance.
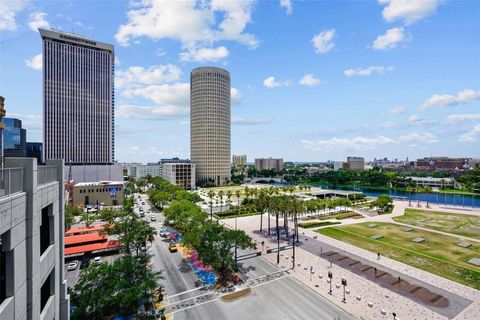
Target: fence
(46, 174)
(11, 181)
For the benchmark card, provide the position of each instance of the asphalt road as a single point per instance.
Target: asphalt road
(275, 295)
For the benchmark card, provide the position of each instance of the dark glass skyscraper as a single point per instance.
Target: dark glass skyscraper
(15, 138)
(78, 99)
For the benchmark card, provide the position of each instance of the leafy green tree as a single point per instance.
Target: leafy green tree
(71, 211)
(109, 215)
(383, 201)
(106, 290)
(88, 217)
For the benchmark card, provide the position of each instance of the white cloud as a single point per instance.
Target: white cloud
(365, 72)
(355, 144)
(410, 11)
(137, 75)
(397, 111)
(29, 121)
(8, 11)
(151, 112)
(389, 125)
(390, 39)
(309, 80)
(425, 137)
(37, 20)
(446, 100)
(235, 95)
(165, 94)
(414, 119)
(271, 82)
(204, 54)
(250, 121)
(287, 4)
(456, 118)
(472, 135)
(188, 21)
(323, 42)
(35, 62)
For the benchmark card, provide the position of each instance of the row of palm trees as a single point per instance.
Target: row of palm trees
(417, 190)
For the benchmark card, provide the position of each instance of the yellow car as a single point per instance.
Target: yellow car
(172, 248)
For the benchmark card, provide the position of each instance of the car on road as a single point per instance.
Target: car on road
(163, 234)
(153, 218)
(172, 248)
(97, 259)
(72, 265)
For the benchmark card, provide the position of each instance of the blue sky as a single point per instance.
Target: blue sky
(312, 80)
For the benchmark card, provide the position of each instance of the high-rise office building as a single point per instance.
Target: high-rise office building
(78, 99)
(356, 163)
(14, 138)
(210, 124)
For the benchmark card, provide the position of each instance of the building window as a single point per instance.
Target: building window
(47, 290)
(46, 228)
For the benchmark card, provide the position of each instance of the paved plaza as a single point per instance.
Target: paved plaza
(364, 297)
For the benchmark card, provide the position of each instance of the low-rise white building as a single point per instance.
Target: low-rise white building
(139, 171)
(181, 174)
(433, 182)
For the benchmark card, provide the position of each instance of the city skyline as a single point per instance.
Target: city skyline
(310, 81)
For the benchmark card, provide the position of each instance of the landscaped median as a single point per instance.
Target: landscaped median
(237, 295)
(438, 254)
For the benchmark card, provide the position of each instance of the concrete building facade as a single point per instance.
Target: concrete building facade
(32, 279)
(269, 164)
(210, 124)
(105, 193)
(356, 163)
(240, 160)
(180, 174)
(139, 171)
(2, 126)
(78, 99)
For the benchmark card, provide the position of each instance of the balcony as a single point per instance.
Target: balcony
(11, 181)
(46, 174)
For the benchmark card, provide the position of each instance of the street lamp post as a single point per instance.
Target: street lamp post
(293, 257)
(311, 271)
(344, 283)
(394, 315)
(330, 276)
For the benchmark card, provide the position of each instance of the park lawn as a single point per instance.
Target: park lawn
(460, 224)
(439, 254)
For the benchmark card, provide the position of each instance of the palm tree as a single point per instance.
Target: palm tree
(237, 195)
(418, 190)
(211, 194)
(427, 190)
(409, 189)
(220, 195)
(229, 198)
(247, 192)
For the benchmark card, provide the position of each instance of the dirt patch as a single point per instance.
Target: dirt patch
(237, 295)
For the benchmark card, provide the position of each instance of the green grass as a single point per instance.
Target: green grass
(314, 224)
(340, 216)
(459, 224)
(439, 254)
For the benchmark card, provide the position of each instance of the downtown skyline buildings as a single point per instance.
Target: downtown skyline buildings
(78, 99)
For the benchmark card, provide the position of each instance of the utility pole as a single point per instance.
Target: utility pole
(330, 276)
(344, 283)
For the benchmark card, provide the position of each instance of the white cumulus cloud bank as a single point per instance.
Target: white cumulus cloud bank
(364, 143)
(271, 83)
(409, 11)
(287, 4)
(323, 42)
(457, 118)
(188, 21)
(151, 112)
(204, 54)
(309, 80)
(8, 11)
(35, 62)
(472, 135)
(365, 72)
(390, 39)
(137, 75)
(38, 20)
(447, 100)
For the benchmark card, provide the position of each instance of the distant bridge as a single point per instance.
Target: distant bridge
(265, 180)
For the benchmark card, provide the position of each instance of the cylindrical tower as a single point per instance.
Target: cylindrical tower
(210, 124)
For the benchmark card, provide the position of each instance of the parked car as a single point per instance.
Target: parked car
(97, 259)
(72, 265)
(163, 234)
(143, 203)
(172, 248)
(85, 263)
(153, 218)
